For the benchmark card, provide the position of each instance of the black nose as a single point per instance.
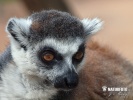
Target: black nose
(68, 81)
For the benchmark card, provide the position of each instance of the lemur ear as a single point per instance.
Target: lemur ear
(18, 29)
(92, 26)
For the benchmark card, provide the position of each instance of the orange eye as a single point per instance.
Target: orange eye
(79, 55)
(48, 57)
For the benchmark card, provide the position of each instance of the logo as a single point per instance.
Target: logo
(104, 88)
(115, 90)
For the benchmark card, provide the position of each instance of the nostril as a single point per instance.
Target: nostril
(66, 82)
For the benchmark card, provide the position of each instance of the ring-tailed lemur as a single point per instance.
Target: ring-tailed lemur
(45, 54)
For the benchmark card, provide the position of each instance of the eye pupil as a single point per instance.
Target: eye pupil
(79, 55)
(48, 57)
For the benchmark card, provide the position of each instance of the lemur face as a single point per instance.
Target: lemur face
(58, 61)
(50, 45)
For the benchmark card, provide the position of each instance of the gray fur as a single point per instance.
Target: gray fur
(5, 57)
(24, 75)
(60, 25)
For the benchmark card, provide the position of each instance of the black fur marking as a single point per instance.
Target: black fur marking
(24, 47)
(14, 34)
(5, 57)
(50, 64)
(55, 24)
(9, 28)
(81, 49)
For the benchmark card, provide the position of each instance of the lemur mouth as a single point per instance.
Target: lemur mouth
(47, 82)
(65, 89)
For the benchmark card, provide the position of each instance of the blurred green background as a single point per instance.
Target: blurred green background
(116, 14)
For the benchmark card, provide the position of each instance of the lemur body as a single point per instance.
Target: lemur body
(46, 54)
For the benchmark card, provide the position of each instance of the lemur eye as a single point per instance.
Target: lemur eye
(79, 55)
(48, 56)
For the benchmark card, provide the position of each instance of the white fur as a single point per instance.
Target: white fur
(17, 87)
(20, 26)
(21, 59)
(63, 47)
(23, 77)
(11, 87)
(92, 26)
(67, 49)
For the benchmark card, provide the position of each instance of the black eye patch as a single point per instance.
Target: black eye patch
(50, 51)
(78, 56)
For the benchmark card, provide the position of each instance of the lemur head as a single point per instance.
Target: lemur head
(50, 45)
